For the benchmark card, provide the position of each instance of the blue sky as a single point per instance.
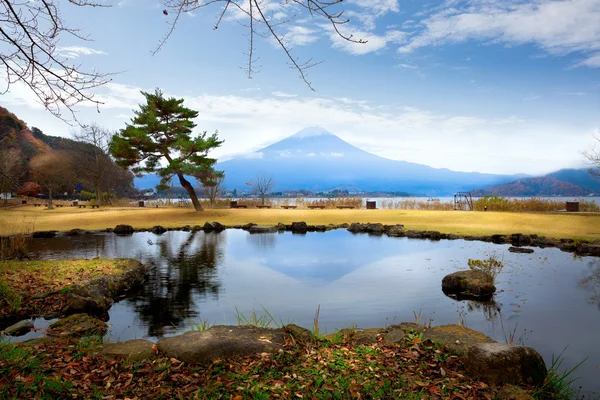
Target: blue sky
(481, 85)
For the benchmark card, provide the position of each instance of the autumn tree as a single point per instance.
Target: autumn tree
(212, 184)
(11, 168)
(159, 140)
(94, 159)
(51, 170)
(262, 185)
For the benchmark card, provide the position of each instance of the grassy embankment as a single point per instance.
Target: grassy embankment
(557, 225)
(32, 287)
(325, 368)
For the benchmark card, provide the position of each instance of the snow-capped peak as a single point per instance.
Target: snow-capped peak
(312, 131)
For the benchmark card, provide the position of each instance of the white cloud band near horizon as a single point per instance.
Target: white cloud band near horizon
(500, 144)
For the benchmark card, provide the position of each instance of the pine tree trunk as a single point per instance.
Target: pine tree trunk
(188, 188)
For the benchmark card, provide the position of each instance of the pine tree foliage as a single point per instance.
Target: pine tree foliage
(159, 140)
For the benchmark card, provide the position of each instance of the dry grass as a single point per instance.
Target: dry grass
(581, 225)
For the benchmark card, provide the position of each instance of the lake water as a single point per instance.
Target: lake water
(550, 297)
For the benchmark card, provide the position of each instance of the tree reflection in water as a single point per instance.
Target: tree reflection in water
(179, 277)
(491, 309)
(592, 281)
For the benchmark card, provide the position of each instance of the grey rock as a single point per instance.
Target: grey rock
(357, 227)
(20, 328)
(299, 227)
(214, 227)
(77, 325)
(498, 364)
(374, 229)
(248, 226)
(123, 230)
(469, 283)
(394, 336)
(457, 338)
(158, 230)
(221, 341)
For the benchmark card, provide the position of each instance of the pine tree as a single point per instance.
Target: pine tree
(158, 140)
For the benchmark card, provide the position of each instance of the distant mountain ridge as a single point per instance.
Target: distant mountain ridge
(315, 159)
(565, 182)
(31, 142)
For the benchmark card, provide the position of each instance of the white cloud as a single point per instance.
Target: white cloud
(300, 36)
(282, 94)
(578, 94)
(558, 27)
(373, 42)
(406, 66)
(285, 154)
(334, 154)
(378, 7)
(77, 51)
(593, 61)
(500, 143)
(310, 155)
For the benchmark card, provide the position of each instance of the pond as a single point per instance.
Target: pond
(549, 299)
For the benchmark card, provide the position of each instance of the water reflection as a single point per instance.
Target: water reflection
(591, 281)
(355, 279)
(181, 277)
(263, 241)
(492, 311)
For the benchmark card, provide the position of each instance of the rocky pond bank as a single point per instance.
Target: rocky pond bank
(406, 360)
(521, 243)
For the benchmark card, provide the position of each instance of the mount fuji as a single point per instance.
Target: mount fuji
(316, 159)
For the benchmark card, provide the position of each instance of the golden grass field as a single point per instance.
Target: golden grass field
(557, 225)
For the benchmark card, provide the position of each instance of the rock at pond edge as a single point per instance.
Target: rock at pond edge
(77, 325)
(498, 364)
(221, 341)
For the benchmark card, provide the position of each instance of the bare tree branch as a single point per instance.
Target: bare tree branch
(255, 11)
(29, 34)
(262, 185)
(593, 155)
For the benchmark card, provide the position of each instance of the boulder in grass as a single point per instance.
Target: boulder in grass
(499, 364)
(356, 227)
(213, 227)
(299, 227)
(131, 350)
(222, 341)
(123, 229)
(375, 229)
(468, 284)
(158, 230)
(457, 338)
